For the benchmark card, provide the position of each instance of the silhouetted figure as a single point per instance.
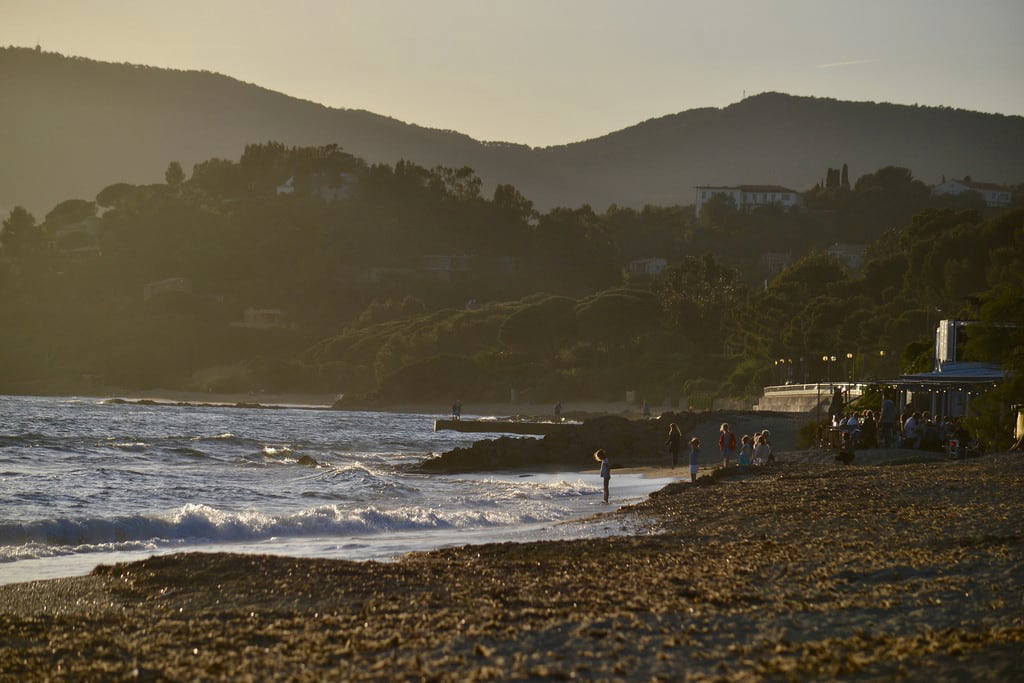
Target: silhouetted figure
(694, 456)
(674, 442)
(606, 469)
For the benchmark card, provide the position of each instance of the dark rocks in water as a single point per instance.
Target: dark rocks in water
(307, 460)
(629, 443)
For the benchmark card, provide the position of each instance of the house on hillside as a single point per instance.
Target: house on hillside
(328, 187)
(646, 267)
(80, 238)
(747, 197)
(774, 262)
(447, 267)
(850, 255)
(166, 286)
(994, 195)
(287, 187)
(263, 319)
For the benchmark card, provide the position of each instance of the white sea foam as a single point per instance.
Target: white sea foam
(204, 524)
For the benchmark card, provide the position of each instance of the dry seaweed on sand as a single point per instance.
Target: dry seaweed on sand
(807, 571)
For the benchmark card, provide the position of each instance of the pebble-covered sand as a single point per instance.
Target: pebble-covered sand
(805, 571)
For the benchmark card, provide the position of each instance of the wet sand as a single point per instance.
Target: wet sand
(808, 571)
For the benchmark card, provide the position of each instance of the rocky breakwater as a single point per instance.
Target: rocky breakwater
(629, 443)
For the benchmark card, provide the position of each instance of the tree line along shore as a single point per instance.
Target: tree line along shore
(307, 270)
(804, 571)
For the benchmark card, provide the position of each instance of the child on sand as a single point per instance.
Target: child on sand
(760, 450)
(606, 469)
(726, 443)
(694, 453)
(746, 450)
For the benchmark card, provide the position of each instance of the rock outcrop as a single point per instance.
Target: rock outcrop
(629, 443)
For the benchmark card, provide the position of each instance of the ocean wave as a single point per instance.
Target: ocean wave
(202, 523)
(130, 445)
(36, 551)
(523, 489)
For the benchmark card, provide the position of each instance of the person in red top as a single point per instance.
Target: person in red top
(726, 443)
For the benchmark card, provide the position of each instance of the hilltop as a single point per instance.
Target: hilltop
(70, 126)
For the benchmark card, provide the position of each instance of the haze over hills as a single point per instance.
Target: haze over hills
(70, 126)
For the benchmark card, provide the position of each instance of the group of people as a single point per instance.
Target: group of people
(753, 449)
(921, 430)
(916, 430)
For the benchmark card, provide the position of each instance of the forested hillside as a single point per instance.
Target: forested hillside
(402, 283)
(71, 126)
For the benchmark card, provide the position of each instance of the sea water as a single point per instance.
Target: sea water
(85, 482)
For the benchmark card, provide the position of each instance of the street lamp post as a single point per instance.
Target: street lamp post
(852, 360)
(828, 360)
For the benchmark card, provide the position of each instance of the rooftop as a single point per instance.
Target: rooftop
(747, 188)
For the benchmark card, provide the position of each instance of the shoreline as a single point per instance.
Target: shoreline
(807, 571)
(326, 401)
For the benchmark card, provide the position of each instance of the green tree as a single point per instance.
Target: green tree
(114, 195)
(174, 175)
(70, 211)
(20, 234)
(540, 326)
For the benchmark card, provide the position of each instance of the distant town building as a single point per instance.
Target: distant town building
(748, 197)
(850, 255)
(171, 284)
(87, 228)
(646, 267)
(774, 262)
(287, 187)
(263, 319)
(994, 195)
(447, 267)
(327, 187)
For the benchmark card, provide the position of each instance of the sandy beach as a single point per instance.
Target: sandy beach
(804, 571)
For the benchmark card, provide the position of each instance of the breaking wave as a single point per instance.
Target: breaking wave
(202, 524)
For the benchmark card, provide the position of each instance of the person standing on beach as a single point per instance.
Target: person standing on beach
(887, 423)
(606, 469)
(726, 443)
(558, 412)
(769, 457)
(674, 441)
(694, 456)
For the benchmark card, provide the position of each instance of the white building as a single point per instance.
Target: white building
(171, 284)
(447, 267)
(774, 262)
(288, 187)
(747, 197)
(646, 267)
(994, 195)
(850, 255)
(263, 319)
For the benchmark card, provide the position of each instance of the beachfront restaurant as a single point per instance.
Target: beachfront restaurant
(947, 391)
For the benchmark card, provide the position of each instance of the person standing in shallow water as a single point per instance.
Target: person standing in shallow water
(674, 441)
(694, 455)
(606, 469)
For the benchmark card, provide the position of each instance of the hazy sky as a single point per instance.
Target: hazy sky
(548, 72)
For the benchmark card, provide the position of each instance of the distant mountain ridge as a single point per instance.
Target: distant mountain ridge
(70, 126)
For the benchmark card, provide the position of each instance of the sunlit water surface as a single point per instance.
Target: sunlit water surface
(84, 483)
